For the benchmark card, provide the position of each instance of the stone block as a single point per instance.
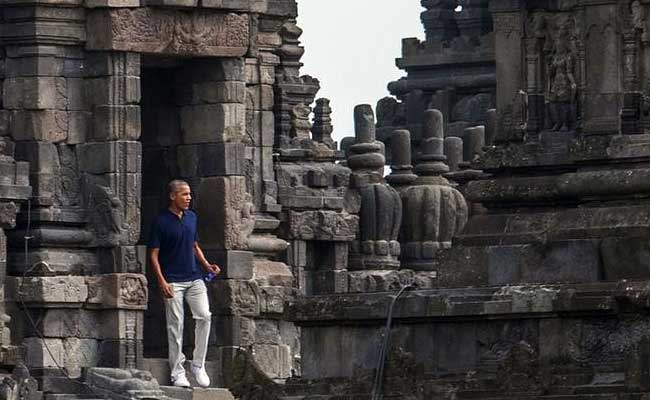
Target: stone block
(121, 259)
(120, 324)
(35, 93)
(100, 64)
(5, 116)
(272, 273)
(120, 291)
(116, 123)
(196, 393)
(45, 125)
(117, 90)
(220, 92)
(259, 97)
(329, 282)
(235, 297)
(35, 66)
(78, 126)
(110, 157)
(213, 123)
(225, 210)
(172, 3)
(213, 69)
(234, 264)
(267, 331)
(259, 74)
(49, 290)
(111, 3)
(75, 95)
(119, 353)
(626, 258)
(72, 354)
(232, 330)
(274, 360)
(220, 159)
(66, 322)
(272, 298)
(260, 127)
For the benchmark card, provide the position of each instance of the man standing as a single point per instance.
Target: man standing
(174, 252)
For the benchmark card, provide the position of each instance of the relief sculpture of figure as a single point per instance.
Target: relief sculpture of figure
(561, 84)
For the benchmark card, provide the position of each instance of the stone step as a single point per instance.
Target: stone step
(159, 368)
(197, 393)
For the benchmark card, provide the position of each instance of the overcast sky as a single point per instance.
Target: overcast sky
(351, 46)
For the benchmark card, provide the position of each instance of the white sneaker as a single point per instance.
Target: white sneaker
(181, 381)
(201, 376)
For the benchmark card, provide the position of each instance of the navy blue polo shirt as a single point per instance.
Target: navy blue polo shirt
(175, 238)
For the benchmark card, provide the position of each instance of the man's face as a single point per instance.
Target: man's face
(182, 197)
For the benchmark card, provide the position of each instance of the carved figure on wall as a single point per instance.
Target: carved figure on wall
(638, 15)
(561, 84)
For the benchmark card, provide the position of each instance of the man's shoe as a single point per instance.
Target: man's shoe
(201, 376)
(181, 381)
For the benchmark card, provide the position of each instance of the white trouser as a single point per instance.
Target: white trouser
(196, 295)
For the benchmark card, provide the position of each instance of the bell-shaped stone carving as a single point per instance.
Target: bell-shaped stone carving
(379, 206)
(434, 212)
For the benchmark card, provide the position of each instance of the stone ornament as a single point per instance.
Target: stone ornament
(434, 212)
(379, 205)
(160, 31)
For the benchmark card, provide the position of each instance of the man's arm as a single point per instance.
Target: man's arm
(205, 264)
(165, 288)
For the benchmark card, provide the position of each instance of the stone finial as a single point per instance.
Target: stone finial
(364, 124)
(401, 166)
(453, 152)
(434, 212)
(366, 154)
(300, 125)
(473, 142)
(322, 129)
(431, 161)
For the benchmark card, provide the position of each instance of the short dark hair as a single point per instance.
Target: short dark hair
(172, 187)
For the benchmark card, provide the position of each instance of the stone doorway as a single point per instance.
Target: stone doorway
(190, 108)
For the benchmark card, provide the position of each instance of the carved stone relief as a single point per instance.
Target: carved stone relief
(151, 30)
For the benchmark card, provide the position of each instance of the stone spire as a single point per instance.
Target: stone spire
(401, 175)
(434, 212)
(322, 129)
(378, 205)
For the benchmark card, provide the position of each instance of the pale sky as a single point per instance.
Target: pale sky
(351, 46)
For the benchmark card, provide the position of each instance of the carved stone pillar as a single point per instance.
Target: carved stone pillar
(401, 176)
(378, 205)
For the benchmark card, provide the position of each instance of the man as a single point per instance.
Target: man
(174, 252)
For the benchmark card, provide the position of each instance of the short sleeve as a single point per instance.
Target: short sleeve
(154, 235)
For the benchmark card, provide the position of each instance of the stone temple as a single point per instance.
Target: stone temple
(505, 256)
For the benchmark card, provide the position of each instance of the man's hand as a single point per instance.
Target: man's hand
(166, 290)
(214, 268)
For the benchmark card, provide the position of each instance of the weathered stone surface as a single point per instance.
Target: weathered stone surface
(71, 353)
(227, 224)
(214, 123)
(116, 123)
(110, 157)
(122, 291)
(235, 297)
(234, 264)
(144, 30)
(220, 159)
(44, 125)
(51, 290)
